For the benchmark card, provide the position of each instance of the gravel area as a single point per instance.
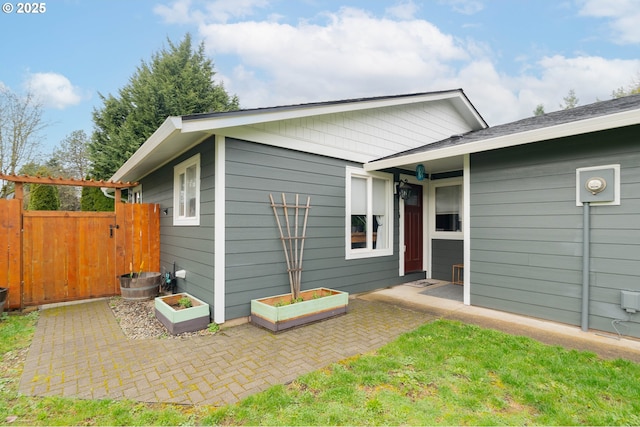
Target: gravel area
(138, 321)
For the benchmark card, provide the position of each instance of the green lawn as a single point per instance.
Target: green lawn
(443, 373)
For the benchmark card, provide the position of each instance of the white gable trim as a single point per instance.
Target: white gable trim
(249, 117)
(178, 134)
(220, 238)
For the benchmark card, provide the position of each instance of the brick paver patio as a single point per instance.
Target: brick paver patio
(80, 351)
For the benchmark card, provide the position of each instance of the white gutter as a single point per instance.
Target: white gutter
(612, 121)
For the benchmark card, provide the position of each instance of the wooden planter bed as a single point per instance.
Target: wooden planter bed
(277, 313)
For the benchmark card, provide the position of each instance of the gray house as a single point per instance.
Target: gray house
(231, 249)
(550, 213)
(543, 213)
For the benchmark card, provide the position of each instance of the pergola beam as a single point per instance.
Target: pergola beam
(26, 179)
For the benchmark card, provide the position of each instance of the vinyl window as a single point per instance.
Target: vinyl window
(186, 192)
(369, 214)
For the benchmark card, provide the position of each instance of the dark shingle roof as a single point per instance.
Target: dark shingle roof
(250, 111)
(589, 111)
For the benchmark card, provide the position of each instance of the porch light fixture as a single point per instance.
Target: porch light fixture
(404, 189)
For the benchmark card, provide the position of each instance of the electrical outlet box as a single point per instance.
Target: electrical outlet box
(630, 301)
(599, 185)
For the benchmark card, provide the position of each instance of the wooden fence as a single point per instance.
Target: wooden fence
(51, 256)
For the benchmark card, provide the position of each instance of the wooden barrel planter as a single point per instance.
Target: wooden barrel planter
(140, 286)
(4, 293)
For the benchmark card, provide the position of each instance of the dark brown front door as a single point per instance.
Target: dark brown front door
(413, 230)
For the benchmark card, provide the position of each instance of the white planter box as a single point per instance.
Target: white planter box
(276, 313)
(179, 320)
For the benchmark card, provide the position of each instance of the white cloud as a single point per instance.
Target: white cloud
(624, 16)
(405, 11)
(54, 90)
(221, 11)
(179, 12)
(465, 7)
(352, 53)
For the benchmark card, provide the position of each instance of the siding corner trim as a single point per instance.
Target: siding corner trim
(219, 257)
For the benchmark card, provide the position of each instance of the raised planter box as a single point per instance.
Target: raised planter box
(277, 313)
(178, 320)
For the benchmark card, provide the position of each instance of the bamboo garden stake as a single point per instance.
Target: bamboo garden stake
(293, 242)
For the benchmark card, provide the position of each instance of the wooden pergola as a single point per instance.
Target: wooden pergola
(59, 256)
(20, 180)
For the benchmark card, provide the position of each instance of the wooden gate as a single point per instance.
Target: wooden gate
(53, 256)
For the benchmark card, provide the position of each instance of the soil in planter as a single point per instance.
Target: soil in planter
(173, 301)
(304, 295)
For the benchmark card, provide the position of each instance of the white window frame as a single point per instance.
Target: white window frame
(135, 194)
(447, 182)
(179, 170)
(368, 251)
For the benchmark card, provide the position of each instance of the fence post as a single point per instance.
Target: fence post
(19, 195)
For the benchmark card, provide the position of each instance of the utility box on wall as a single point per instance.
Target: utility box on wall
(598, 185)
(630, 301)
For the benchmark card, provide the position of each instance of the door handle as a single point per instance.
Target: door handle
(111, 228)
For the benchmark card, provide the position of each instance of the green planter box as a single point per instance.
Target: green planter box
(277, 313)
(179, 320)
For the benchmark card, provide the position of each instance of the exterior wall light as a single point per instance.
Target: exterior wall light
(404, 189)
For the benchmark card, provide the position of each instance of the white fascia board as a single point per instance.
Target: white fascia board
(212, 124)
(469, 113)
(612, 121)
(171, 126)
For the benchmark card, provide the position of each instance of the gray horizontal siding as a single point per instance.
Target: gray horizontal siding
(526, 231)
(190, 247)
(445, 253)
(255, 260)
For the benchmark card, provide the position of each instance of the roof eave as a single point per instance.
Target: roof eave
(146, 153)
(210, 123)
(611, 121)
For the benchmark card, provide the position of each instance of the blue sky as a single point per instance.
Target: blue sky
(507, 55)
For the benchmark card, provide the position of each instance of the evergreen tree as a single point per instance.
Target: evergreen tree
(570, 101)
(539, 111)
(177, 81)
(92, 200)
(44, 198)
(632, 89)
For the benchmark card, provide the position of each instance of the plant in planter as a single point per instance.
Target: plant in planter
(185, 302)
(139, 286)
(297, 308)
(182, 313)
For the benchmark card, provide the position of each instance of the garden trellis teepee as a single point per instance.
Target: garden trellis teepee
(292, 237)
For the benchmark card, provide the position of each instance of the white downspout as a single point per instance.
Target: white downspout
(466, 228)
(219, 258)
